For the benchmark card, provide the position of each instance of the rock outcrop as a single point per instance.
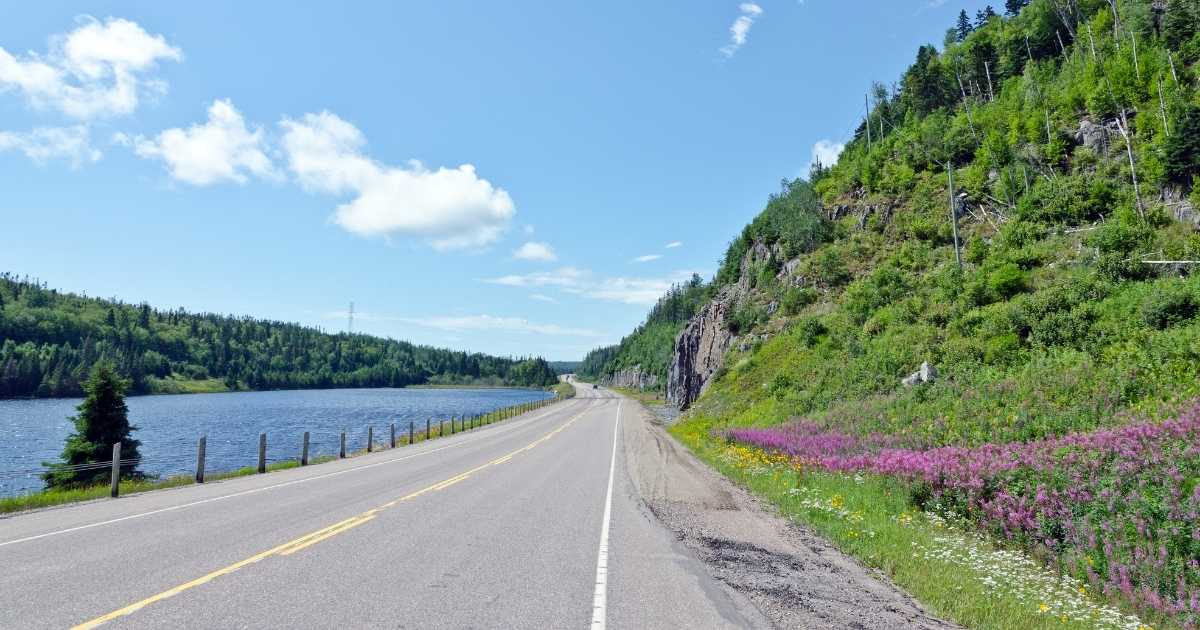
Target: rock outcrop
(700, 349)
(926, 374)
(631, 378)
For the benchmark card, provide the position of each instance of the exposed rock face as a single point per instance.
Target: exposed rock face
(700, 349)
(926, 374)
(1095, 137)
(632, 378)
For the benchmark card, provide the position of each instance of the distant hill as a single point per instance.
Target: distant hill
(564, 367)
(49, 340)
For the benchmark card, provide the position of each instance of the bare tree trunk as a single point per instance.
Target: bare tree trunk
(1062, 47)
(1112, 4)
(1136, 68)
(1162, 109)
(1093, 42)
(988, 70)
(1171, 60)
(1123, 127)
(1028, 50)
(867, 106)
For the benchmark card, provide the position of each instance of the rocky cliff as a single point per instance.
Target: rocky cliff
(632, 378)
(700, 348)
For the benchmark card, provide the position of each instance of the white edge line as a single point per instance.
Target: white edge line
(600, 598)
(255, 490)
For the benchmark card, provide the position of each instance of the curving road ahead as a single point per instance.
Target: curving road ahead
(531, 523)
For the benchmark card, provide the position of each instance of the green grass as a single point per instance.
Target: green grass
(177, 385)
(870, 519)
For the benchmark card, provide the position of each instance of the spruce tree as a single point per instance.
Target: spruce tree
(1181, 155)
(1013, 7)
(103, 420)
(964, 25)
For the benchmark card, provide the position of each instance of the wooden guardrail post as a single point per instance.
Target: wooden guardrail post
(370, 439)
(114, 488)
(304, 451)
(411, 431)
(200, 458)
(342, 445)
(393, 441)
(441, 428)
(262, 452)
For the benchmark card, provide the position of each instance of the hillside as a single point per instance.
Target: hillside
(984, 314)
(640, 360)
(49, 341)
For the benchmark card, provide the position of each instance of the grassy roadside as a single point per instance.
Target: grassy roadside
(646, 398)
(49, 498)
(958, 575)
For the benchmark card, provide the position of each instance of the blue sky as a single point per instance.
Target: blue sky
(513, 178)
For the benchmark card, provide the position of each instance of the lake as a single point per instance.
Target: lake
(32, 431)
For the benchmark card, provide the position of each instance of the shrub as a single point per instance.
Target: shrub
(809, 331)
(1006, 281)
(1170, 305)
(796, 298)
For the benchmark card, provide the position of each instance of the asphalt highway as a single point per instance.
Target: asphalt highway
(529, 523)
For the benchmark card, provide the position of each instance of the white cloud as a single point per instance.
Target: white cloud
(45, 143)
(542, 297)
(641, 291)
(450, 208)
(646, 258)
(535, 251)
(222, 149)
(826, 152)
(461, 323)
(96, 70)
(673, 245)
(562, 277)
(740, 29)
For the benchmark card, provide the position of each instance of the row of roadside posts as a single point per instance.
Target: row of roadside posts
(458, 424)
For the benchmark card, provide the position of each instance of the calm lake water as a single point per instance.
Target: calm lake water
(32, 431)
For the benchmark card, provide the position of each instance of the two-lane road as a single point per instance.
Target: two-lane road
(531, 523)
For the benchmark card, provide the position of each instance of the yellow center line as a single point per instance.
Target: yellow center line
(313, 538)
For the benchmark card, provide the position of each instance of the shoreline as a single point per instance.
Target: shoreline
(298, 389)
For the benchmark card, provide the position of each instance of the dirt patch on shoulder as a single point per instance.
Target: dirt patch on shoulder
(793, 576)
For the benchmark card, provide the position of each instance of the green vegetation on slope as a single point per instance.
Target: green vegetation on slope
(649, 346)
(50, 340)
(1072, 166)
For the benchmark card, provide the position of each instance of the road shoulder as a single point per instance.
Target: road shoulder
(794, 577)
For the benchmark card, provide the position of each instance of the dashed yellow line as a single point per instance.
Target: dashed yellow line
(308, 540)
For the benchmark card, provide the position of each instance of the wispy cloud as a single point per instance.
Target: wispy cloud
(740, 29)
(646, 258)
(626, 290)
(673, 245)
(542, 297)
(535, 251)
(48, 143)
(463, 323)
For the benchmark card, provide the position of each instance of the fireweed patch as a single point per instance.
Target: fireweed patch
(1116, 509)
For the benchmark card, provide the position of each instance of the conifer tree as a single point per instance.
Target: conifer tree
(103, 420)
(1013, 7)
(1181, 156)
(964, 25)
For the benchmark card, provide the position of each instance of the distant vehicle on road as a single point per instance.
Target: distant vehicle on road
(595, 386)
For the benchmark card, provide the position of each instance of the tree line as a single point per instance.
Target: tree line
(50, 340)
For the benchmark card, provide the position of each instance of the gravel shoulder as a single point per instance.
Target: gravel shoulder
(794, 577)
